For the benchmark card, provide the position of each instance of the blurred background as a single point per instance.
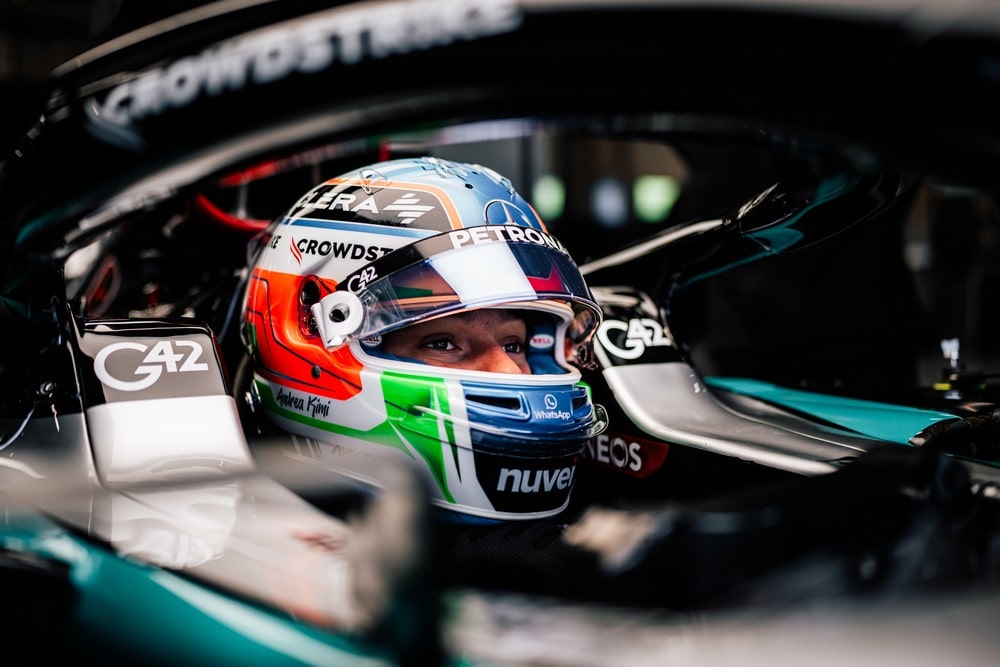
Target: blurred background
(36, 36)
(866, 311)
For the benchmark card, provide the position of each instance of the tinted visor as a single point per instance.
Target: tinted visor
(475, 267)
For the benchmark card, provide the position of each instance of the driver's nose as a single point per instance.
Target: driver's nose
(495, 359)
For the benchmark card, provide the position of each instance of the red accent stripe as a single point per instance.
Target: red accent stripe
(552, 283)
(210, 210)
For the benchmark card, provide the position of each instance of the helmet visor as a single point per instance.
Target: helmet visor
(469, 268)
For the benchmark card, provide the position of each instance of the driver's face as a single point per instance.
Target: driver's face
(481, 340)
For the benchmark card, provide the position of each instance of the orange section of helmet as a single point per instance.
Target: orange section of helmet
(287, 354)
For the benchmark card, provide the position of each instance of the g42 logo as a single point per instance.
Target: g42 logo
(640, 333)
(360, 280)
(179, 356)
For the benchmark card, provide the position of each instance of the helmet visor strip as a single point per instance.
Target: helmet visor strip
(448, 273)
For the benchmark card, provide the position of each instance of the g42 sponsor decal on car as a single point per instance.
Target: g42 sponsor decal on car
(630, 340)
(635, 340)
(140, 368)
(633, 456)
(165, 356)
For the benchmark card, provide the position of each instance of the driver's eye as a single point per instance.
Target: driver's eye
(443, 344)
(514, 347)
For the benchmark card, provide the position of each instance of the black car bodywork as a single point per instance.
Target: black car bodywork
(160, 156)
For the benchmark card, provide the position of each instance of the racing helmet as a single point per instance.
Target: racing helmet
(401, 242)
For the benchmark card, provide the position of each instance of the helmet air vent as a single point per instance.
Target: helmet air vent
(502, 402)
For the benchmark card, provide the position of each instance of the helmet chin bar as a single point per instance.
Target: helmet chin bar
(338, 315)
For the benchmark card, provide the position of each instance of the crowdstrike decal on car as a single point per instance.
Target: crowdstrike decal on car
(345, 36)
(170, 356)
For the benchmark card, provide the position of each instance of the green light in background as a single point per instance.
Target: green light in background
(548, 196)
(653, 197)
